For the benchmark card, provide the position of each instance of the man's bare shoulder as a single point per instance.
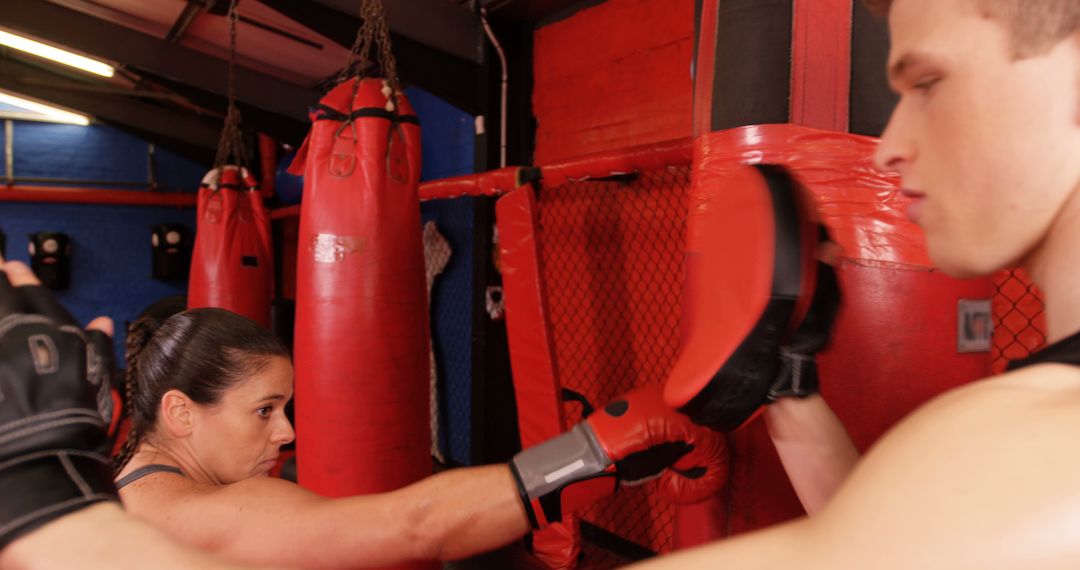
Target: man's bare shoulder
(1030, 378)
(984, 476)
(1016, 395)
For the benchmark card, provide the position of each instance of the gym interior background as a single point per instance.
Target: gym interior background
(584, 82)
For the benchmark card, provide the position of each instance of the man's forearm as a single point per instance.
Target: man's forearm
(814, 447)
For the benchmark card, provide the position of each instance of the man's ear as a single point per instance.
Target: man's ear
(177, 413)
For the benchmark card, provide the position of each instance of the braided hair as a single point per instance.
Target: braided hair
(200, 352)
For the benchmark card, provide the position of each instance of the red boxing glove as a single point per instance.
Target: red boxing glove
(631, 440)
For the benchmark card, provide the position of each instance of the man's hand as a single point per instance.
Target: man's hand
(54, 407)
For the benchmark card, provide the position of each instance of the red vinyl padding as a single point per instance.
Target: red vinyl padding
(361, 311)
(532, 357)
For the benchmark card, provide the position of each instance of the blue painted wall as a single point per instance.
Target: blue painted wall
(448, 136)
(111, 254)
(97, 152)
(111, 245)
(449, 146)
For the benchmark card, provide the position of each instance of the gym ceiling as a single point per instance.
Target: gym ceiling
(171, 58)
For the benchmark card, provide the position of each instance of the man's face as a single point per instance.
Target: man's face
(988, 146)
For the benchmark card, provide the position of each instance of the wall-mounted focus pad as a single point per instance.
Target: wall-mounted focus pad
(50, 258)
(171, 250)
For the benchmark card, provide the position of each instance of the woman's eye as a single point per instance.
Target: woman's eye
(264, 412)
(927, 83)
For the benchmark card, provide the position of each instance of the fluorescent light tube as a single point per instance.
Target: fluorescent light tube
(48, 112)
(55, 54)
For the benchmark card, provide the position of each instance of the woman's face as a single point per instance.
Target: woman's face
(240, 436)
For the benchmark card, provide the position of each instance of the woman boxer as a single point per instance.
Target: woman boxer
(207, 394)
(59, 506)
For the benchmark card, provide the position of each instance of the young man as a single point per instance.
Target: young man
(986, 138)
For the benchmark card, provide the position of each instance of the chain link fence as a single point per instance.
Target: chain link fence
(611, 254)
(1019, 318)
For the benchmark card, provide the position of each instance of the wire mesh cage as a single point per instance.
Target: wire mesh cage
(611, 254)
(1019, 318)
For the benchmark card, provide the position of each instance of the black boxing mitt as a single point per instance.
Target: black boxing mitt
(53, 426)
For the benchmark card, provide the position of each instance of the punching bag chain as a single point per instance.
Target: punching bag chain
(231, 144)
(374, 30)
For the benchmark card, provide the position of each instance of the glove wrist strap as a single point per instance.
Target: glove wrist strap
(38, 488)
(561, 475)
(798, 376)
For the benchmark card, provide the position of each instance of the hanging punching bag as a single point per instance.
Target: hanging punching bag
(232, 261)
(361, 313)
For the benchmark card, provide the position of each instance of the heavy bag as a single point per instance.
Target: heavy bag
(232, 265)
(361, 345)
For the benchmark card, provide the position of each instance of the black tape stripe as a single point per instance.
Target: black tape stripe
(523, 494)
(612, 542)
(330, 114)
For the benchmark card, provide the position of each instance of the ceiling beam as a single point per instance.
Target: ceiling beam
(455, 80)
(541, 12)
(66, 27)
(284, 129)
(443, 25)
(171, 127)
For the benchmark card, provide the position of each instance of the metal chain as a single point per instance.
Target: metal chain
(361, 46)
(373, 30)
(386, 55)
(231, 143)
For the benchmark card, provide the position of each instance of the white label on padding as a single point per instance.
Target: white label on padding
(975, 325)
(328, 248)
(563, 472)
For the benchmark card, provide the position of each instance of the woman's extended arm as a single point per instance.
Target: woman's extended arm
(448, 516)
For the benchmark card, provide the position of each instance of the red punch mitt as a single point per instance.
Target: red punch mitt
(758, 305)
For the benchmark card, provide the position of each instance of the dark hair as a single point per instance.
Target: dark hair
(1035, 25)
(200, 352)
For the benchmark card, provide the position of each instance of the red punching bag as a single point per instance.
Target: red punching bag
(232, 262)
(361, 307)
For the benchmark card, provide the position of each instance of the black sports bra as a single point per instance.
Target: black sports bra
(1064, 351)
(144, 471)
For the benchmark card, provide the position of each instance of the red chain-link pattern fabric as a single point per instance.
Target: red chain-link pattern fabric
(1019, 318)
(611, 254)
